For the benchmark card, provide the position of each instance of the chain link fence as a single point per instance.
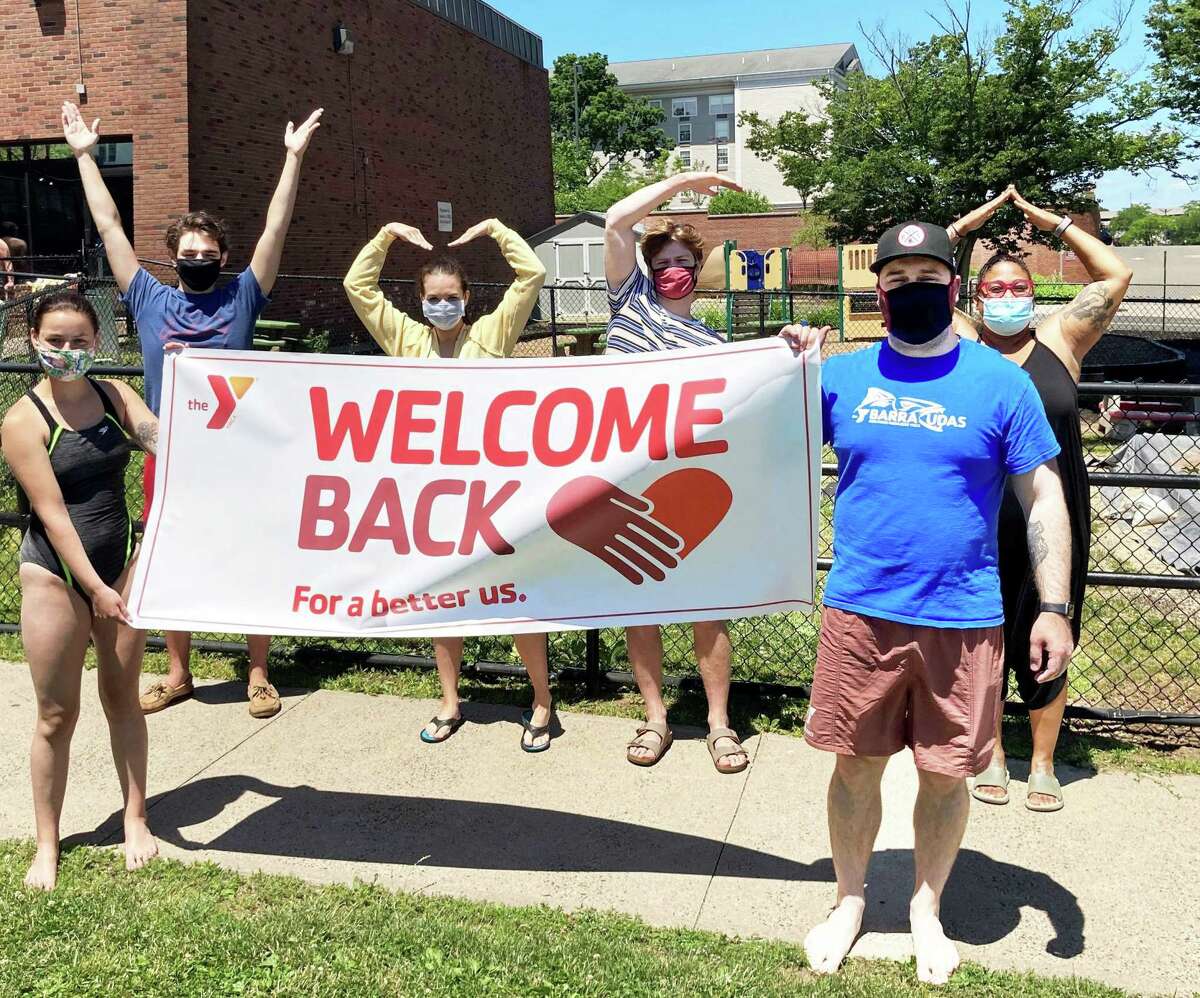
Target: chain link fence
(1139, 657)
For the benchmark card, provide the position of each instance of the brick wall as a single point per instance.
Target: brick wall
(422, 112)
(135, 69)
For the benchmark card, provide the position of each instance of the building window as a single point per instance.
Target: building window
(685, 133)
(685, 157)
(722, 104)
(721, 129)
(722, 157)
(683, 107)
(655, 102)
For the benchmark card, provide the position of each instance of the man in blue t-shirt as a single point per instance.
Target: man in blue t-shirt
(926, 429)
(196, 314)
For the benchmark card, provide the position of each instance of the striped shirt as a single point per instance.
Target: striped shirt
(639, 324)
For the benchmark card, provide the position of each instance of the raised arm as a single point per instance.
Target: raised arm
(1084, 320)
(978, 217)
(620, 244)
(500, 336)
(1049, 536)
(82, 140)
(386, 323)
(6, 258)
(24, 447)
(265, 262)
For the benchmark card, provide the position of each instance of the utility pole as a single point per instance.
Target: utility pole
(575, 70)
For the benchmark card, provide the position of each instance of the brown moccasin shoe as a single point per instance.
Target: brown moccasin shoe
(160, 695)
(264, 701)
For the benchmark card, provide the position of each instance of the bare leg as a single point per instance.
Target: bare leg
(1046, 723)
(447, 652)
(532, 649)
(260, 646)
(645, 658)
(939, 821)
(55, 624)
(117, 680)
(714, 656)
(179, 653)
(855, 811)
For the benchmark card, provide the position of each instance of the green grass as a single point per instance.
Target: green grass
(200, 930)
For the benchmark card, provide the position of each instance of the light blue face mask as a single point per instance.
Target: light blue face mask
(444, 314)
(1007, 316)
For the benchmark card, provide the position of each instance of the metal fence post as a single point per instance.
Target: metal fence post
(762, 314)
(1164, 294)
(553, 322)
(591, 662)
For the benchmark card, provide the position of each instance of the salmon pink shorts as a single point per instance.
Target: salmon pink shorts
(881, 685)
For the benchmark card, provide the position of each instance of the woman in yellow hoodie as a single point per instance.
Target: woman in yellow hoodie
(445, 292)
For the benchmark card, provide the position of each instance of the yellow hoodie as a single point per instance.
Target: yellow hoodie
(494, 335)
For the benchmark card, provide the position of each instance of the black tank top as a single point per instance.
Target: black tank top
(1060, 396)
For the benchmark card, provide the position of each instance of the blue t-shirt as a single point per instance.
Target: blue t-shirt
(221, 319)
(923, 448)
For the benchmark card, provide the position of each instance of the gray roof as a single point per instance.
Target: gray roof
(805, 59)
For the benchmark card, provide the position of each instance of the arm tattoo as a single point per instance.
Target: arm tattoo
(1093, 307)
(1038, 546)
(146, 434)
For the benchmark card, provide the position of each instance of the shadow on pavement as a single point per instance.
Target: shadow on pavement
(982, 903)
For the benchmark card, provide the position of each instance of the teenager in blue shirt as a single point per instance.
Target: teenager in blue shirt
(927, 429)
(194, 314)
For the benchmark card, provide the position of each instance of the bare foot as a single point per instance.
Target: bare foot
(937, 956)
(140, 845)
(540, 718)
(43, 871)
(447, 712)
(828, 943)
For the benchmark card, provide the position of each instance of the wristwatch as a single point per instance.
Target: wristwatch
(1062, 609)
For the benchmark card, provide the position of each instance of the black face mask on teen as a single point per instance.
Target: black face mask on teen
(198, 275)
(917, 312)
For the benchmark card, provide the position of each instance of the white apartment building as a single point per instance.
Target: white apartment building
(702, 96)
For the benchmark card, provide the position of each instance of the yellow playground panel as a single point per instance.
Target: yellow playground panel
(861, 317)
(775, 266)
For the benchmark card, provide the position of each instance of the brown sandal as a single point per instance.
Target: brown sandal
(718, 754)
(661, 732)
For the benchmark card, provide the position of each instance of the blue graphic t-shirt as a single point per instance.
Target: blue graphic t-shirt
(221, 319)
(923, 448)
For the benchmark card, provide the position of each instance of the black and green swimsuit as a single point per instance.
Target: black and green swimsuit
(89, 465)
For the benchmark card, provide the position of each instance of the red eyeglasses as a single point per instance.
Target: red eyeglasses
(1021, 288)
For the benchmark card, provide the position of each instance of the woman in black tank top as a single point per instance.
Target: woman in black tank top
(68, 443)
(1052, 355)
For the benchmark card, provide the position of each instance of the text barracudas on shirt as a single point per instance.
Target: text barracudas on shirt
(437, 435)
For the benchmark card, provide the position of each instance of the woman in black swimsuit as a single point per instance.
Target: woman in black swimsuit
(1052, 354)
(68, 442)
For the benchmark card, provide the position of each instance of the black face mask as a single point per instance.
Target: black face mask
(918, 312)
(198, 275)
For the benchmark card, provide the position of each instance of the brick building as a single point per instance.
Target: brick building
(438, 102)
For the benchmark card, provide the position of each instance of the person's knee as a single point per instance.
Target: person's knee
(859, 773)
(939, 784)
(56, 721)
(118, 696)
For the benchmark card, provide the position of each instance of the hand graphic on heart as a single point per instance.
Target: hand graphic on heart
(641, 536)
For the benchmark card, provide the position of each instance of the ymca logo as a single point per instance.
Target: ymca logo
(229, 392)
(880, 406)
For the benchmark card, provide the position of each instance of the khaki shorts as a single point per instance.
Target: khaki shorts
(881, 685)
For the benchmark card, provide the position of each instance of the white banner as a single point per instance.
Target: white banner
(326, 495)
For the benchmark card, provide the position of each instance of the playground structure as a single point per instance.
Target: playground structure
(730, 270)
(859, 306)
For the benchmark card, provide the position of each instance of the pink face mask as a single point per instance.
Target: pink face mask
(675, 282)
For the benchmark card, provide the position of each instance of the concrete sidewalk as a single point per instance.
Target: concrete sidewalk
(338, 788)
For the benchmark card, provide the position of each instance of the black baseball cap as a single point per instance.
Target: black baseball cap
(914, 239)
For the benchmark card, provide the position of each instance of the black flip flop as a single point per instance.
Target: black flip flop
(535, 731)
(453, 723)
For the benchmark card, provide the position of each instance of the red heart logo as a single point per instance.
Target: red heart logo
(641, 536)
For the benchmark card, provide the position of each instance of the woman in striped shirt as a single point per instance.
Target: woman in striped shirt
(654, 312)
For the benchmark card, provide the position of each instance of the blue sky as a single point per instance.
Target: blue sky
(654, 29)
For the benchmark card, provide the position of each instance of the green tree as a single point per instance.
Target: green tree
(794, 144)
(729, 202)
(1137, 225)
(953, 120)
(614, 125)
(813, 232)
(1173, 33)
(617, 182)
